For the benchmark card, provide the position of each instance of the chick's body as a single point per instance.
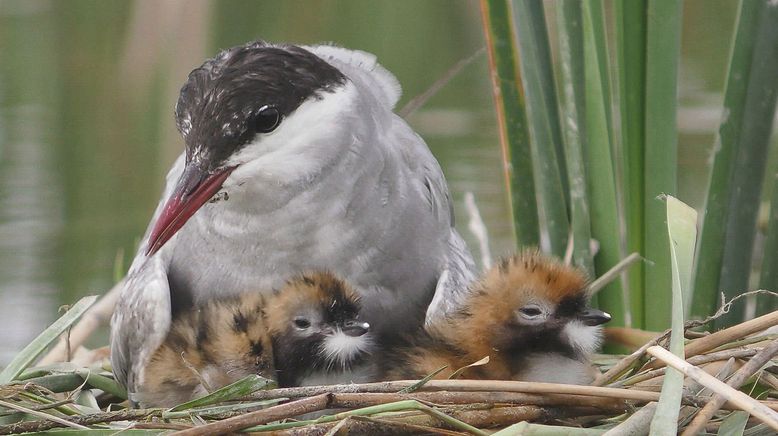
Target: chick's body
(207, 348)
(316, 332)
(529, 314)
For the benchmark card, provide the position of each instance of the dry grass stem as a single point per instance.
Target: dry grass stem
(726, 336)
(696, 361)
(97, 315)
(738, 398)
(461, 386)
(43, 415)
(275, 413)
(636, 424)
(612, 273)
(737, 380)
(731, 334)
(82, 420)
(625, 364)
(497, 398)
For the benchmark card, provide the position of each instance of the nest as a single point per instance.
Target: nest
(729, 385)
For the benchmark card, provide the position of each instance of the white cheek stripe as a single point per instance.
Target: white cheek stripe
(294, 148)
(582, 337)
(342, 349)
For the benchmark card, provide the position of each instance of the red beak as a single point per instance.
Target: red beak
(194, 188)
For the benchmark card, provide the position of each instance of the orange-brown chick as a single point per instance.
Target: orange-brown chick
(213, 345)
(529, 314)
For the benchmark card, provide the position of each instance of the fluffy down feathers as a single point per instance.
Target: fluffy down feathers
(525, 314)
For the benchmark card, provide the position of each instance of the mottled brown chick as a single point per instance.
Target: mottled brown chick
(317, 336)
(529, 314)
(207, 348)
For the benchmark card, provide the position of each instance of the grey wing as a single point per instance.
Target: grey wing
(140, 321)
(453, 284)
(141, 317)
(457, 267)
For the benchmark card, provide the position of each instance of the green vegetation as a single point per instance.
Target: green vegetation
(586, 94)
(617, 110)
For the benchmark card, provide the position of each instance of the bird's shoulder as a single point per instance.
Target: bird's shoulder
(365, 65)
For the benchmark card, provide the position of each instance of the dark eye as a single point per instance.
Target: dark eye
(530, 311)
(301, 323)
(266, 119)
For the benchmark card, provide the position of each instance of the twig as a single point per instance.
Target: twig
(462, 418)
(751, 340)
(721, 337)
(405, 427)
(702, 359)
(737, 380)
(157, 426)
(93, 318)
(419, 101)
(626, 363)
(365, 425)
(769, 379)
(414, 387)
(338, 427)
(736, 397)
(727, 305)
(488, 418)
(230, 425)
(636, 424)
(196, 373)
(461, 386)
(496, 417)
(43, 415)
(46, 406)
(696, 361)
(94, 418)
(351, 401)
(612, 273)
(629, 337)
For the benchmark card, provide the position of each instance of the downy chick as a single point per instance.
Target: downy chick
(529, 314)
(217, 344)
(317, 336)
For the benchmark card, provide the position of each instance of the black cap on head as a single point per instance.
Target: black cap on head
(218, 105)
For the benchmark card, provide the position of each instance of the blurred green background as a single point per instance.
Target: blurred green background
(87, 89)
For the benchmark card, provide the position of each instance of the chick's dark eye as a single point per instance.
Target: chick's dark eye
(301, 323)
(266, 119)
(530, 311)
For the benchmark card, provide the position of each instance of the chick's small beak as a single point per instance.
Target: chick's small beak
(593, 317)
(355, 328)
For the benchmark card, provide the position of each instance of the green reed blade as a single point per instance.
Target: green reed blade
(769, 274)
(512, 119)
(48, 337)
(720, 189)
(599, 159)
(571, 62)
(748, 174)
(681, 229)
(663, 42)
(543, 116)
(630, 23)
